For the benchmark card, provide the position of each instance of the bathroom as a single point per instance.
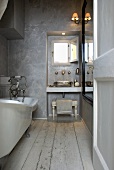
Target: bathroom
(29, 56)
(25, 51)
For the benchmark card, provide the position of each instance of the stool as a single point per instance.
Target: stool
(74, 104)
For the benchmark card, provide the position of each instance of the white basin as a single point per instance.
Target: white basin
(63, 83)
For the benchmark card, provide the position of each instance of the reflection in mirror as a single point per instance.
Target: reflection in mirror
(74, 50)
(88, 61)
(88, 49)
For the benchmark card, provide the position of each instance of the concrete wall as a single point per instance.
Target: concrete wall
(106, 26)
(87, 113)
(3, 63)
(28, 57)
(12, 22)
(3, 56)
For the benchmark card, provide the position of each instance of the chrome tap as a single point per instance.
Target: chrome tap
(17, 85)
(69, 72)
(56, 72)
(63, 72)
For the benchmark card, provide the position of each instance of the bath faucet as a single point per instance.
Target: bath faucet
(17, 85)
(23, 95)
(13, 92)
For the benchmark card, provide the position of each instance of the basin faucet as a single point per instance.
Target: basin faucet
(69, 72)
(63, 72)
(56, 72)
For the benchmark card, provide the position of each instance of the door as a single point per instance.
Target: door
(103, 137)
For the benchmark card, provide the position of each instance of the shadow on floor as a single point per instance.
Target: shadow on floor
(64, 118)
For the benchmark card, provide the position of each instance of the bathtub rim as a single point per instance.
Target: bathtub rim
(12, 101)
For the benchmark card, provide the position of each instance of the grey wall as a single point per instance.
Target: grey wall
(87, 113)
(12, 22)
(3, 56)
(28, 57)
(106, 26)
(3, 63)
(3, 162)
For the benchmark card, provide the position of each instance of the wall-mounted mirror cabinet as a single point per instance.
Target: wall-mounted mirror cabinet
(65, 52)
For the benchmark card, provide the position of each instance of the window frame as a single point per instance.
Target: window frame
(69, 48)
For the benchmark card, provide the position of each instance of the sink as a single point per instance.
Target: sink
(63, 83)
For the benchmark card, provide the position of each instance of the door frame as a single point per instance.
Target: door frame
(98, 160)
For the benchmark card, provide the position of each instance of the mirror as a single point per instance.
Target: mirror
(87, 55)
(65, 51)
(88, 60)
(74, 46)
(88, 49)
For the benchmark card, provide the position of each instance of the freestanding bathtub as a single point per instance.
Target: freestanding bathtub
(15, 118)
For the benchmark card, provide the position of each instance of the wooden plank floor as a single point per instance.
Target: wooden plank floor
(53, 146)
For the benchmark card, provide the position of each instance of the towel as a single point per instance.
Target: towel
(64, 106)
(3, 6)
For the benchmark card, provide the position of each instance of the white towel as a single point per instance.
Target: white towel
(64, 106)
(3, 6)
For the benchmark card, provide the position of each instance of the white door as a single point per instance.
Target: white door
(103, 137)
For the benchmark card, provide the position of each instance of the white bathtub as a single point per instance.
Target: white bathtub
(15, 118)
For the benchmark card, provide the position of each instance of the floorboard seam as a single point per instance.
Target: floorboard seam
(52, 147)
(78, 146)
(38, 160)
(41, 150)
(32, 145)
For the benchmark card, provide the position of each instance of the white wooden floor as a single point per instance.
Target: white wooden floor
(53, 146)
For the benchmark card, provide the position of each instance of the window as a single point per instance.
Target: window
(64, 51)
(61, 53)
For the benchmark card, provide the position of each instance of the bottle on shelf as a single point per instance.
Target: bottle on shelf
(76, 83)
